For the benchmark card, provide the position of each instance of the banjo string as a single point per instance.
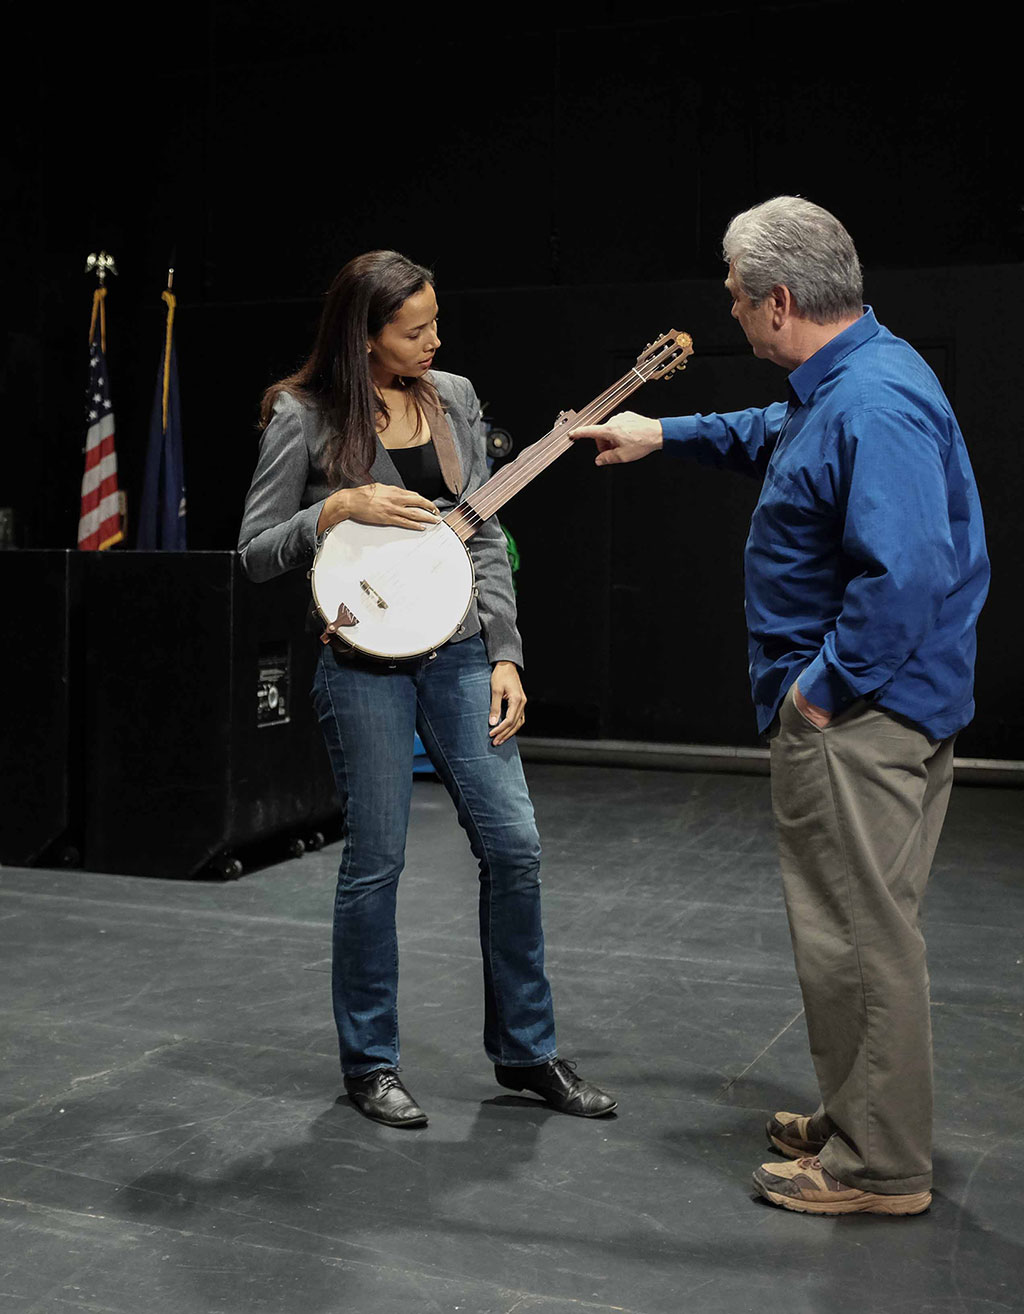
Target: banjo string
(541, 454)
(600, 405)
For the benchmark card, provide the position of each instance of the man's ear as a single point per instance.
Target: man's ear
(783, 305)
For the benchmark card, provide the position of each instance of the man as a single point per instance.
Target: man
(865, 573)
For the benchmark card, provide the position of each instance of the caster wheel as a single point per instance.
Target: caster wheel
(226, 867)
(296, 848)
(316, 841)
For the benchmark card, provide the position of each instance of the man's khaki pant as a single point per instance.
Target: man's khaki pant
(858, 808)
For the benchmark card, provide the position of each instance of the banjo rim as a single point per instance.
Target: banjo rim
(389, 656)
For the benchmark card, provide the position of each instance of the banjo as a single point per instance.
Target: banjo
(394, 593)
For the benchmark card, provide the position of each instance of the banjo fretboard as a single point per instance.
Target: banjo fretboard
(660, 359)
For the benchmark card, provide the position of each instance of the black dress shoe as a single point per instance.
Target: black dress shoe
(556, 1082)
(382, 1097)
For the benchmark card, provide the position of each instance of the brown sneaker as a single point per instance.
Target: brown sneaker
(807, 1188)
(789, 1133)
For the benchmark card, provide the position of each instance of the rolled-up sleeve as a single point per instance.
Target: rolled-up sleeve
(278, 533)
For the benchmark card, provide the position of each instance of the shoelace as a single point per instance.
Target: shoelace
(389, 1080)
(566, 1067)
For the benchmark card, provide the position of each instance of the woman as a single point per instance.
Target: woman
(367, 430)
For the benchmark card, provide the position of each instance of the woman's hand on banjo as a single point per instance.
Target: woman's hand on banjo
(378, 504)
(507, 688)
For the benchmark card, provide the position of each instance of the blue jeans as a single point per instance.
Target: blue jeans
(369, 713)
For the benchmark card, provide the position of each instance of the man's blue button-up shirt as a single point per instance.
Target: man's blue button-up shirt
(865, 564)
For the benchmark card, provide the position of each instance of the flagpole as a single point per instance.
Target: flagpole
(99, 265)
(172, 302)
(162, 513)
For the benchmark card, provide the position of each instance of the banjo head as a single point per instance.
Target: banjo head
(408, 590)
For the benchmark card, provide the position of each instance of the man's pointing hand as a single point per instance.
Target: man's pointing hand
(625, 437)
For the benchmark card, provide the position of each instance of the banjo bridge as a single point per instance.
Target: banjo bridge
(371, 592)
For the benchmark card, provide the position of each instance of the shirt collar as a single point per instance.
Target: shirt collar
(806, 377)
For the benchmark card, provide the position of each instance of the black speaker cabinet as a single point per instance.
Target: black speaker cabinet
(200, 737)
(41, 656)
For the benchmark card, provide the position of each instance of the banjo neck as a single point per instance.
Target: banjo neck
(660, 359)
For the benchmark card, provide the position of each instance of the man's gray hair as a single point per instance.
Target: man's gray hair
(792, 242)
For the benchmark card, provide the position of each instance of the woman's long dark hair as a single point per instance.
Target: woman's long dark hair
(367, 294)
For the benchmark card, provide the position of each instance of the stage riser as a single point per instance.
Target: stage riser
(160, 680)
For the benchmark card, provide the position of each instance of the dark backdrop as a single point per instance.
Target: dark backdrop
(568, 176)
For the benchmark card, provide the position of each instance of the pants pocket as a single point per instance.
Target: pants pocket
(790, 702)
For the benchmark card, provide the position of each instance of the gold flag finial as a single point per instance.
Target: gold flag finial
(100, 264)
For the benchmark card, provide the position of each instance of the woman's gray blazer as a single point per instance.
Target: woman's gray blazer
(290, 486)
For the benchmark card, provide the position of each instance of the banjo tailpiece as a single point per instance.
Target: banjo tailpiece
(343, 620)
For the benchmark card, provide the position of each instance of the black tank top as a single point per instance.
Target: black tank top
(419, 469)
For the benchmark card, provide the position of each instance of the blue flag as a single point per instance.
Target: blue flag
(162, 515)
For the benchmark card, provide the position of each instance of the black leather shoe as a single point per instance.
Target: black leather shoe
(556, 1082)
(381, 1096)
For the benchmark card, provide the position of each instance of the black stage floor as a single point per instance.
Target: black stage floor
(171, 1142)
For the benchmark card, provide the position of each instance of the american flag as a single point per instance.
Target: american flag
(99, 524)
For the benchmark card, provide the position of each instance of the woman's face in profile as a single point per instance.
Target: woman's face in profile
(405, 347)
